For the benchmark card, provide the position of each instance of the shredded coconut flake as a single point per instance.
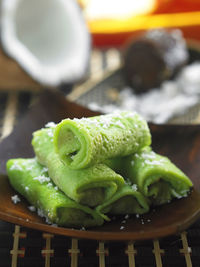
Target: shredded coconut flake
(142, 221)
(45, 169)
(134, 187)
(40, 213)
(32, 208)
(42, 179)
(49, 184)
(50, 132)
(126, 216)
(50, 124)
(16, 166)
(15, 199)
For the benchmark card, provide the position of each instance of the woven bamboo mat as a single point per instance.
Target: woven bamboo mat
(25, 247)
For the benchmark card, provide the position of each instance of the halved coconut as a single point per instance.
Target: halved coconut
(48, 38)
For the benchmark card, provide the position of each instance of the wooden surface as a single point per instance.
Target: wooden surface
(13, 77)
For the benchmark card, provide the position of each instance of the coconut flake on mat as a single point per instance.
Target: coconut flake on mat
(32, 208)
(158, 105)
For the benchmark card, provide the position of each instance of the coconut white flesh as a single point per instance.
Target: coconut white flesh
(48, 38)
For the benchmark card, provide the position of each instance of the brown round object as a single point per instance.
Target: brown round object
(153, 58)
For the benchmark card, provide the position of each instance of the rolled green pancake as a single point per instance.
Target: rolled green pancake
(127, 200)
(83, 142)
(31, 180)
(156, 176)
(89, 186)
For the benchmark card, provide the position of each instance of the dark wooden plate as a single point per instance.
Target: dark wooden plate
(179, 142)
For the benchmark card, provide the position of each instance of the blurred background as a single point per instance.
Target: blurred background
(114, 23)
(106, 54)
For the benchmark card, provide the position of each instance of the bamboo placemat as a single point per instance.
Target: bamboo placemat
(21, 246)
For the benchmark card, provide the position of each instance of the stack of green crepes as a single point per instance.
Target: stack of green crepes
(86, 169)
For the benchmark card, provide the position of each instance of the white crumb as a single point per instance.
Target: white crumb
(15, 199)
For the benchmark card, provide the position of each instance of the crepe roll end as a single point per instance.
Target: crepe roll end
(71, 144)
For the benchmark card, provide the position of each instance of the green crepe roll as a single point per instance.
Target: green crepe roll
(89, 186)
(31, 180)
(116, 164)
(83, 142)
(127, 200)
(156, 176)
